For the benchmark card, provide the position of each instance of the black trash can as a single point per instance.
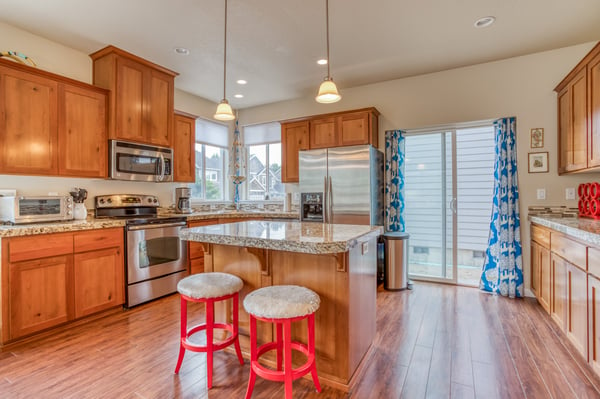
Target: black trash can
(395, 260)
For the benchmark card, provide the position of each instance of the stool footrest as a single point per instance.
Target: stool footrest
(217, 345)
(275, 375)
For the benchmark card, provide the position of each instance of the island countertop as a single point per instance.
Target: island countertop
(304, 237)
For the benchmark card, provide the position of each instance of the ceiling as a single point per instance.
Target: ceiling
(274, 44)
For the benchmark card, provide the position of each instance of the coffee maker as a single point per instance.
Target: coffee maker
(182, 200)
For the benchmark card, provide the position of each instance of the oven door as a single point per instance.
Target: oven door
(154, 251)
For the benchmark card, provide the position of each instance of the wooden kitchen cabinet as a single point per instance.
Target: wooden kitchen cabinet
(577, 314)
(51, 279)
(579, 115)
(294, 138)
(98, 271)
(540, 265)
(141, 99)
(28, 108)
(593, 298)
(593, 74)
(184, 152)
(338, 129)
(558, 298)
(51, 125)
(196, 249)
(82, 135)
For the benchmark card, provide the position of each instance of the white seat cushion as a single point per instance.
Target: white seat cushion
(209, 285)
(282, 302)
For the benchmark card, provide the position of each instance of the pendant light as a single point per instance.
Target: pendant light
(224, 111)
(328, 92)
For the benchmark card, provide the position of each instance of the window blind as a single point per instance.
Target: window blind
(212, 133)
(262, 133)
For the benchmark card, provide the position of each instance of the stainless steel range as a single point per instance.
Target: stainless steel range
(156, 258)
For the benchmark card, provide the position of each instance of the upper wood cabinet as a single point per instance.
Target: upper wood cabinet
(184, 138)
(339, 129)
(50, 125)
(294, 137)
(141, 99)
(82, 137)
(579, 115)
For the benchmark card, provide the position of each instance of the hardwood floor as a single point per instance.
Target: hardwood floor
(435, 341)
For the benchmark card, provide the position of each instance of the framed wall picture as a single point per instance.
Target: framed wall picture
(537, 137)
(538, 162)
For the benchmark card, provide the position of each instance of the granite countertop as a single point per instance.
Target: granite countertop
(582, 228)
(307, 237)
(92, 223)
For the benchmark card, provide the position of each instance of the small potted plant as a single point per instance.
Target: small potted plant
(79, 195)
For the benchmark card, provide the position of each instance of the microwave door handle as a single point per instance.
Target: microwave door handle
(162, 168)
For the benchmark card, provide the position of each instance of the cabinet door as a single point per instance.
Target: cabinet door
(594, 322)
(323, 133)
(558, 297)
(99, 281)
(196, 249)
(354, 129)
(39, 297)
(129, 98)
(158, 107)
(545, 283)
(184, 165)
(82, 132)
(577, 308)
(594, 116)
(294, 137)
(535, 269)
(572, 123)
(28, 122)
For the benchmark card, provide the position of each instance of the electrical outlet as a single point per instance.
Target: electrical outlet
(541, 193)
(570, 193)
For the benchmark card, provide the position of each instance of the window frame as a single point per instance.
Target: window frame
(268, 175)
(225, 169)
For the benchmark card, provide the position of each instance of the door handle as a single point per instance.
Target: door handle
(452, 205)
(330, 200)
(325, 201)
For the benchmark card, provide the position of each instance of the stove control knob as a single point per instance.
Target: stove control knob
(109, 200)
(101, 200)
(155, 200)
(150, 200)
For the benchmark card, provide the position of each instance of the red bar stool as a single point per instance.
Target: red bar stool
(282, 304)
(209, 288)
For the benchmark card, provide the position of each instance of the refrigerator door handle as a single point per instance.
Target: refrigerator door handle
(330, 201)
(325, 201)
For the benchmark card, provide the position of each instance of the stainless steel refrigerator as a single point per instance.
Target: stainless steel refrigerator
(351, 180)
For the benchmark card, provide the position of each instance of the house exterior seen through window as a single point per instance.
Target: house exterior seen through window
(264, 172)
(212, 160)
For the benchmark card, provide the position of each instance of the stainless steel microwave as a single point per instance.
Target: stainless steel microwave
(26, 209)
(140, 162)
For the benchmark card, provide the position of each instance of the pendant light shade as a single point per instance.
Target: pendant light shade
(328, 92)
(224, 111)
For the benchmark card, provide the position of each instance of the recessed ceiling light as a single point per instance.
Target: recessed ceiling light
(484, 22)
(322, 62)
(181, 51)
(239, 96)
(241, 82)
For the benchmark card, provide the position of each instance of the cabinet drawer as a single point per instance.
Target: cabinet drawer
(594, 261)
(569, 250)
(540, 235)
(39, 246)
(98, 239)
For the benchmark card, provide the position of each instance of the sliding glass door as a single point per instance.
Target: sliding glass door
(448, 198)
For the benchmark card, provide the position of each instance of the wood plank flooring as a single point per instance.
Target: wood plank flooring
(436, 341)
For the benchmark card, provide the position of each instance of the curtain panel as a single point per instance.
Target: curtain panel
(394, 180)
(503, 269)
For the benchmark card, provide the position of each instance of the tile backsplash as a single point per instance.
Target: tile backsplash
(552, 211)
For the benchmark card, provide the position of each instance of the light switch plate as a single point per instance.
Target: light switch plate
(570, 193)
(541, 193)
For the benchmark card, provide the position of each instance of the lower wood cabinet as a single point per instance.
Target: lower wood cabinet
(196, 249)
(558, 302)
(577, 314)
(51, 279)
(593, 298)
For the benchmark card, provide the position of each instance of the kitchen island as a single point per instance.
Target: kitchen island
(338, 262)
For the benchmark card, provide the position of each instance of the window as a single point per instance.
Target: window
(211, 161)
(263, 162)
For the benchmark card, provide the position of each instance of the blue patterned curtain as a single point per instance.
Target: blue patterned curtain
(394, 180)
(503, 269)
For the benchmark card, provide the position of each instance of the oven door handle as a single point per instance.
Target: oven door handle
(155, 226)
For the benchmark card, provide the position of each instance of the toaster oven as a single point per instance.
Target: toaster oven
(34, 209)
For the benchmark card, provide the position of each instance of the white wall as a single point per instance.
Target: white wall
(62, 60)
(521, 87)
